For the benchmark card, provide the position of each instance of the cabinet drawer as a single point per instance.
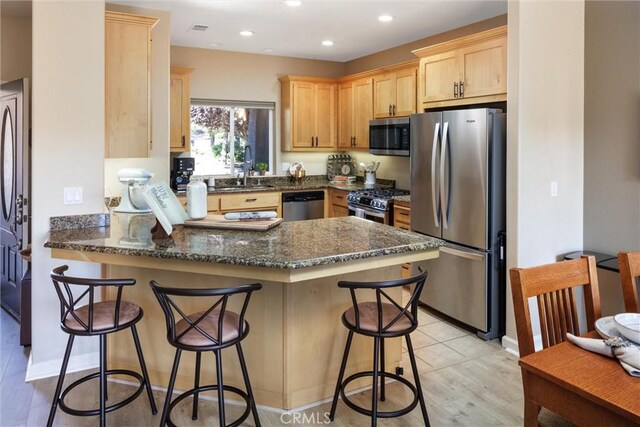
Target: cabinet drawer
(249, 201)
(339, 198)
(213, 203)
(402, 217)
(338, 211)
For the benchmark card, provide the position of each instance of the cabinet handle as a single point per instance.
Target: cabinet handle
(403, 213)
(354, 141)
(455, 90)
(394, 109)
(253, 199)
(339, 197)
(183, 141)
(461, 89)
(389, 109)
(316, 138)
(312, 141)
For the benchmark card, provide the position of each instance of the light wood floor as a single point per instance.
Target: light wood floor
(466, 382)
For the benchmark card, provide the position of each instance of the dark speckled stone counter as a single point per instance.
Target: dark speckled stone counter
(294, 318)
(291, 245)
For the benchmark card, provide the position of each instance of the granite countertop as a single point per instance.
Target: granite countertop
(290, 245)
(286, 183)
(402, 200)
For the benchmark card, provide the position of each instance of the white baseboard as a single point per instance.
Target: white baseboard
(510, 345)
(51, 368)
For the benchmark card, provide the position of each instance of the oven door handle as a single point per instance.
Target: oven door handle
(362, 213)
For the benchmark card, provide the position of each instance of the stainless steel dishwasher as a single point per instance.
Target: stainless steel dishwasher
(302, 205)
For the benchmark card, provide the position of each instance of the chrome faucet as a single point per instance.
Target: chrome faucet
(247, 148)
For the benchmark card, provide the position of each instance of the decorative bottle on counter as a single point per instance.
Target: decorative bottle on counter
(197, 198)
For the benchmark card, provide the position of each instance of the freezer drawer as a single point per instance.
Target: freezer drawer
(457, 285)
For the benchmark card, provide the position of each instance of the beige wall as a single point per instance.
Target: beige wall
(158, 162)
(249, 77)
(15, 48)
(545, 135)
(403, 53)
(612, 129)
(68, 150)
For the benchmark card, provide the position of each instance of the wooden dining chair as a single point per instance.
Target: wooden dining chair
(553, 286)
(629, 263)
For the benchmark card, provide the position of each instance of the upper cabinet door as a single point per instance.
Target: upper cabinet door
(345, 115)
(325, 116)
(362, 112)
(304, 113)
(484, 68)
(405, 103)
(180, 110)
(384, 95)
(127, 85)
(439, 73)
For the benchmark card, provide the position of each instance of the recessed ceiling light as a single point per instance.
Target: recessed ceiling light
(327, 43)
(214, 44)
(385, 18)
(292, 3)
(246, 33)
(268, 50)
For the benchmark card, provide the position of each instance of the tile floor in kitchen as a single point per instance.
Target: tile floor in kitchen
(466, 381)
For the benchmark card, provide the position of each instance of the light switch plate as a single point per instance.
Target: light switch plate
(554, 188)
(72, 195)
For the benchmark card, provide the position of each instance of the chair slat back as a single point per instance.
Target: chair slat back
(629, 263)
(411, 307)
(174, 308)
(70, 302)
(553, 287)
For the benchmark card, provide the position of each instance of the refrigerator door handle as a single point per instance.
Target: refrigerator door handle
(435, 196)
(444, 206)
(462, 254)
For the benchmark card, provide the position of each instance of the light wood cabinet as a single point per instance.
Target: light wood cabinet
(394, 94)
(244, 202)
(308, 114)
(402, 219)
(355, 110)
(338, 203)
(180, 110)
(468, 70)
(213, 203)
(127, 85)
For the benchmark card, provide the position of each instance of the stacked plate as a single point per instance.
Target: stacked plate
(626, 325)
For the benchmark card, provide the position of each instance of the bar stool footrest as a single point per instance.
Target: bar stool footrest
(211, 387)
(379, 414)
(92, 412)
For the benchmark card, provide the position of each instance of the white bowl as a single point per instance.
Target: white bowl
(628, 324)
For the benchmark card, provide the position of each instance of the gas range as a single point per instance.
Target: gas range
(378, 199)
(375, 204)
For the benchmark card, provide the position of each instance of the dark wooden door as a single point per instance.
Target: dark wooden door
(13, 212)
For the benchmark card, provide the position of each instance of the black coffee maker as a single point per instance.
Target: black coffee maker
(181, 172)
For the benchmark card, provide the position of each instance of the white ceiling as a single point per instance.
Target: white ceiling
(298, 31)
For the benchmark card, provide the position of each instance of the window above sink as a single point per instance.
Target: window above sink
(215, 124)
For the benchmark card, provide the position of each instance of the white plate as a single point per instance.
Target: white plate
(628, 325)
(606, 327)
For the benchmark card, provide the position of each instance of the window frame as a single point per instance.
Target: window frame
(265, 105)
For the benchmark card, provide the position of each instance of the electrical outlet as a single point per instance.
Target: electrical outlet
(72, 195)
(554, 188)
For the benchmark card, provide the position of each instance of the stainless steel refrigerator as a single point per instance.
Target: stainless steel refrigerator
(458, 194)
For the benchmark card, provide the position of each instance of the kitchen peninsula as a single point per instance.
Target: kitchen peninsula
(296, 341)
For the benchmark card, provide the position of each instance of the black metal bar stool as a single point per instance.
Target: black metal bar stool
(381, 320)
(211, 330)
(96, 318)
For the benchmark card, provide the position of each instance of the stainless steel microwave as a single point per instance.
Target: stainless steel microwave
(389, 137)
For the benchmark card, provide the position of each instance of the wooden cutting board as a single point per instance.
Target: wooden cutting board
(218, 221)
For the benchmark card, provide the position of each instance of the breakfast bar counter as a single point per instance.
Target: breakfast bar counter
(295, 345)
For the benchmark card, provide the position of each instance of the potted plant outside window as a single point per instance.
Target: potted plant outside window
(262, 167)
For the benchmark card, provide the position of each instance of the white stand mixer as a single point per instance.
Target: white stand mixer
(133, 182)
